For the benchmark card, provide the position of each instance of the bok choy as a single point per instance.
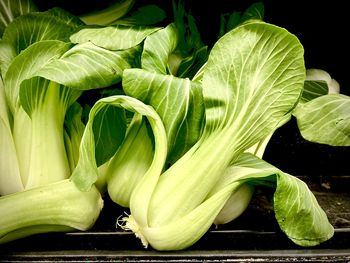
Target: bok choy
(253, 78)
(43, 74)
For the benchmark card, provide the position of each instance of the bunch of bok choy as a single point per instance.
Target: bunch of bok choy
(45, 67)
(249, 86)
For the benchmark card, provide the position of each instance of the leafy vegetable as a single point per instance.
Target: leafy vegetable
(322, 113)
(325, 119)
(246, 96)
(42, 77)
(181, 144)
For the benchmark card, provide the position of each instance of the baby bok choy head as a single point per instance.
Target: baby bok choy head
(253, 78)
(44, 70)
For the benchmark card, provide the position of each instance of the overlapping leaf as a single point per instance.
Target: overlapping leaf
(325, 119)
(10, 9)
(113, 37)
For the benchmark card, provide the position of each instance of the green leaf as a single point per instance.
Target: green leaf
(313, 89)
(30, 28)
(117, 37)
(325, 119)
(87, 66)
(178, 101)
(253, 78)
(191, 65)
(255, 11)
(145, 15)
(108, 15)
(86, 173)
(10, 9)
(131, 162)
(71, 20)
(254, 85)
(230, 21)
(7, 53)
(296, 209)
(27, 64)
(157, 48)
(109, 130)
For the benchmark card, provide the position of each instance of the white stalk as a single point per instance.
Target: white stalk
(48, 155)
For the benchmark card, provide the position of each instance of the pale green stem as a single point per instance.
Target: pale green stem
(59, 206)
(48, 157)
(22, 135)
(130, 163)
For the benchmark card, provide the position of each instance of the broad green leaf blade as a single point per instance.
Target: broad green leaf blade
(296, 208)
(157, 48)
(325, 119)
(230, 21)
(71, 20)
(252, 80)
(298, 213)
(190, 66)
(108, 15)
(255, 11)
(30, 28)
(87, 66)
(10, 9)
(109, 130)
(313, 89)
(145, 15)
(251, 86)
(35, 92)
(117, 37)
(86, 173)
(27, 64)
(178, 101)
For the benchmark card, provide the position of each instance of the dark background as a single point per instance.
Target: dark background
(322, 28)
